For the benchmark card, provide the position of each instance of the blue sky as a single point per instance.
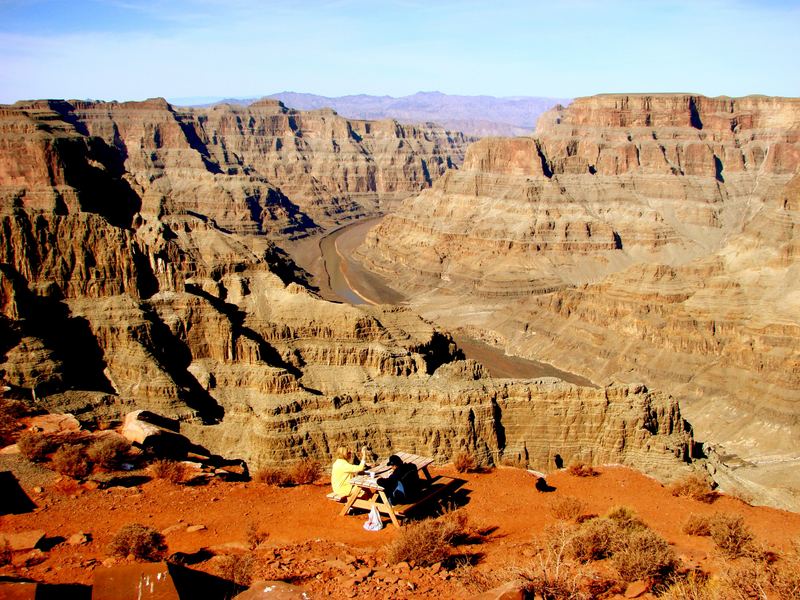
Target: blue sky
(135, 49)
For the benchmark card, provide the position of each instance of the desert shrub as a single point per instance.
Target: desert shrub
(567, 508)
(428, 541)
(70, 460)
(238, 568)
(305, 471)
(625, 518)
(595, 539)
(786, 575)
(464, 462)
(255, 536)
(697, 525)
(35, 446)
(109, 452)
(644, 554)
(731, 535)
(10, 412)
(144, 543)
(694, 486)
(5, 553)
(580, 469)
(169, 470)
(695, 586)
(272, 476)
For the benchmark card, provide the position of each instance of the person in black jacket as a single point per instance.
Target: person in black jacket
(402, 485)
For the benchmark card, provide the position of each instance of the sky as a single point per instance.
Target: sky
(178, 49)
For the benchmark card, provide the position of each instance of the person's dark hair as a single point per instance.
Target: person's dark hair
(394, 461)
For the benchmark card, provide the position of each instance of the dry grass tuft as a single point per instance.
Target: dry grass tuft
(429, 541)
(169, 470)
(644, 554)
(626, 519)
(581, 469)
(595, 539)
(305, 471)
(694, 486)
(272, 476)
(109, 452)
(144, 543)
(567, 508)
(238, 568)
(70, 460)
(255, 536)
(699, 525)
(464, 462)
(731, 535)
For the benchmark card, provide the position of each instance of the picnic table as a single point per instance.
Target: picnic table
(368, 493)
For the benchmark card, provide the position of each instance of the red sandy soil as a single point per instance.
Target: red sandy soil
(315, 547)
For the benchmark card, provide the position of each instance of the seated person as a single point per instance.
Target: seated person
(344, 469)
(402, 485)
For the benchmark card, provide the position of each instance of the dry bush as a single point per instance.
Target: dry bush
(464, 462)
(694, 486)
(169, 470)
(304, 472)
(553, 574)
(645, 554)
(35, 446)
(625, 518)
(144, 543)
(581, 469)
(255, 536)
(568, 508)
(731, 535)
(695, 586)
(238, 568)
(109, 452)
(428, 541)
(786, 574)
(272, 476)
(595, 539)
(697, 525)
(10, 412)
(70, 460)
(5, 553)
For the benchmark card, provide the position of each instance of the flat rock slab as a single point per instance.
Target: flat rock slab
(144, 581)
(273, 590)
(53, 423)
(18, 591)
(25, 540)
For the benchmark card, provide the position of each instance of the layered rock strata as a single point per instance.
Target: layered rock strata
(133, 275)
(633, 238)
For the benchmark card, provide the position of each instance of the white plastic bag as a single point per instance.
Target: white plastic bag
(374, 521)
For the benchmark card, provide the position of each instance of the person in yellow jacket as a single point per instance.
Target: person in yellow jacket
(344, 469)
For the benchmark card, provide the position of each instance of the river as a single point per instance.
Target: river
(349, 282)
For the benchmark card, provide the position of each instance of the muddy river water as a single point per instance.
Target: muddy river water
(351, 283)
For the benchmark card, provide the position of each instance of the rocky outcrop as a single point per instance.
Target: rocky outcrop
(633, 238)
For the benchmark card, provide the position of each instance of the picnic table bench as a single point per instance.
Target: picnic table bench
(368, 493)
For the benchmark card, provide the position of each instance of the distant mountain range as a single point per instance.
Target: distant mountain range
(474, 115)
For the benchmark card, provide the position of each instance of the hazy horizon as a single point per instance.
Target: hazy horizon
(136, 49)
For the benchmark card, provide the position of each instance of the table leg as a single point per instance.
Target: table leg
(427, 474)
(389, 508)
(350, 499)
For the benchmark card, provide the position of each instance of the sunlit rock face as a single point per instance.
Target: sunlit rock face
(633, 238)
(138, 270)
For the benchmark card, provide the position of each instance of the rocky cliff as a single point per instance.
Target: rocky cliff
(137, 271)
(633, 238)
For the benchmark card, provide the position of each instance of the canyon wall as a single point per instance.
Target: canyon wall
(139, 270)
(633, 238)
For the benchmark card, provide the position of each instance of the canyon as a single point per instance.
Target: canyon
(632, 238)
(143, 265)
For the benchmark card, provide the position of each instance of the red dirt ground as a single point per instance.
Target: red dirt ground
(310, 543)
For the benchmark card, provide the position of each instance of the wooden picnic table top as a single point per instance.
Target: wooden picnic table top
(369, 478)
